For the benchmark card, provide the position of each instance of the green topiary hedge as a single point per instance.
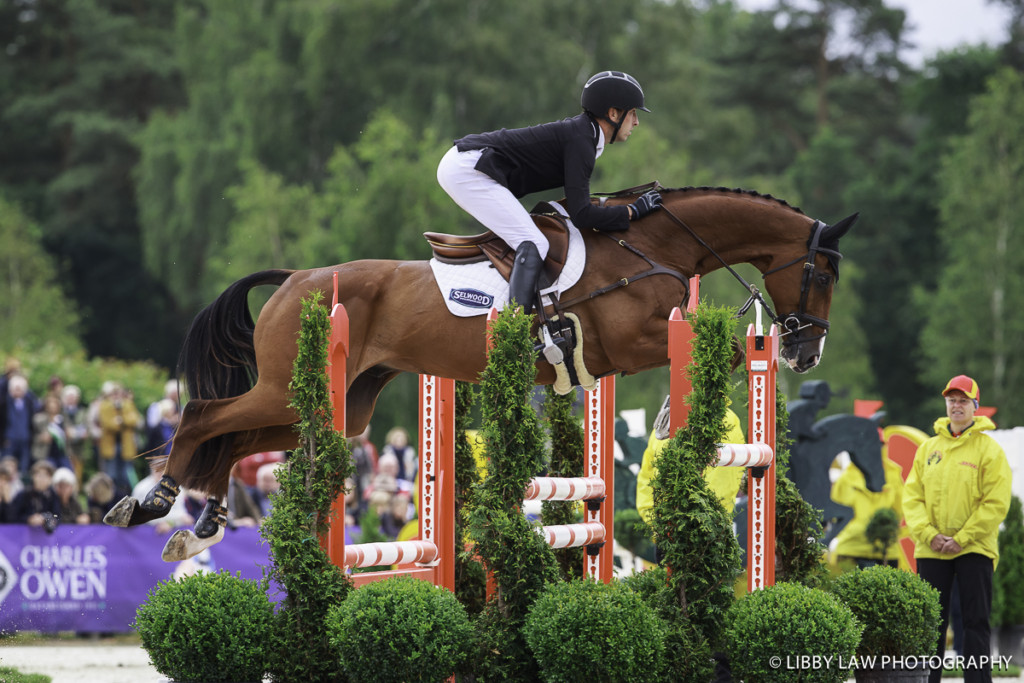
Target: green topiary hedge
(687, 653)
(312, 481)
(521, 560)
(899, 610)
(799, 551)
(768, 631)
(585, 631)
(567, 444)
(207, 627)
(470, 577)
(692, 530)
(1008, 581)
(400, 629)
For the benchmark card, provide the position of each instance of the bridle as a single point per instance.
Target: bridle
(790, 323)
(794, 322)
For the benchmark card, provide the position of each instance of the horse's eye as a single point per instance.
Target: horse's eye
(824, 279)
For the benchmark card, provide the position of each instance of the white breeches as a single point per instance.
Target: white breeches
(486, 200)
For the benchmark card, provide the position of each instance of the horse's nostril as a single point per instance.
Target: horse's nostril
(813, 360)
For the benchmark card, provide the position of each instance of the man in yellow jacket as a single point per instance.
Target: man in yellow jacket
(954, 500)
(724, 481)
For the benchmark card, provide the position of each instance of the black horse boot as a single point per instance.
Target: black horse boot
(157, 503)
(522, 283)
(208, 530)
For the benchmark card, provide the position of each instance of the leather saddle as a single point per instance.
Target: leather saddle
(461, 249)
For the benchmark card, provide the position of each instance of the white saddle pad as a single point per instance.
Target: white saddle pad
(475, 288)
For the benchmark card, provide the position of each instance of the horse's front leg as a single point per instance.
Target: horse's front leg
(208, 530)
(157, 503)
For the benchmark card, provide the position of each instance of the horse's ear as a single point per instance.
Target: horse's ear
(833, 232)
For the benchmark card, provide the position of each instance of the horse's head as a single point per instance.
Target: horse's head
(801, 290)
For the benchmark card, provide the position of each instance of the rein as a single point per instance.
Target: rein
(791, 322)
(654, 269)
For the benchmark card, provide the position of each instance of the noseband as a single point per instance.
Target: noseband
(794, 322)
(790, 323)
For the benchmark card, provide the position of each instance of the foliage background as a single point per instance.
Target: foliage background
(151, 153)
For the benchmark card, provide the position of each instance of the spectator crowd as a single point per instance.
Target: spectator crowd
(68, 460)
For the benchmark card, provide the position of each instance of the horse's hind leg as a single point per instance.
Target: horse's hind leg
(201, 421)
(208, 530)
(209, 527)
(157, 503)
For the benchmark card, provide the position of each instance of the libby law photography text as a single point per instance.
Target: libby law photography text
(815, 662)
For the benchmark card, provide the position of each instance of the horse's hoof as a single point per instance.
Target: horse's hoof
(121, 514)
(184, 544)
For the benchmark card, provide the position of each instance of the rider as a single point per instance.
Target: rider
(487, 173)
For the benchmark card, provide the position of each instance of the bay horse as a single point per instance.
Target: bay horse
(237, 372)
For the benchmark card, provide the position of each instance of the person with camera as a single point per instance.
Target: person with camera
(37, 505)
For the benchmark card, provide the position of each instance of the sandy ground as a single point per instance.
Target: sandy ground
(82, 663)
(77, 662)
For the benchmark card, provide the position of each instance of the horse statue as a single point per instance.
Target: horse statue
(237, 372)
(816, 443)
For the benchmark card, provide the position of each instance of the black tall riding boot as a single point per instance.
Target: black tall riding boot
(522, 283)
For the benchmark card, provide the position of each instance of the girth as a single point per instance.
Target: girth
(460, 249)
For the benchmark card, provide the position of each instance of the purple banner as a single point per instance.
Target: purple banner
(93, 578)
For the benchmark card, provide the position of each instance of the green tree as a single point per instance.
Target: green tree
(35, 310)
(77, 81)
(275, 225)
(897, 242)
(975, 325)
(788, 67)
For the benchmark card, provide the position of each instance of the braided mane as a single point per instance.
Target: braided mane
(735, 190)
(634, 192)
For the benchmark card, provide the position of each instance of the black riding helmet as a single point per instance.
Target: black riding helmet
(609, 89)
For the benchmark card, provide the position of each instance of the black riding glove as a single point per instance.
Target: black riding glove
(645, 204)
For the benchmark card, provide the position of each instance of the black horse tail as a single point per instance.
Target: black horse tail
(218, 360)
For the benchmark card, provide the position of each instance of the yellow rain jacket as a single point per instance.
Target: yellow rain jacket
(851, 489)
(724, 481)
(959, 487)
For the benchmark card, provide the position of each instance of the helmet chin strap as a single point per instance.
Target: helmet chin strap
(617, 126)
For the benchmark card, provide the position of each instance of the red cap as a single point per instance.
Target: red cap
(965, 384)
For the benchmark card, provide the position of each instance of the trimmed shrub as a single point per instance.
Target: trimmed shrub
(207, 627)
(767, 631)
(567, 441)
(1008, 582)
(588, 631)
(899, 611)
(311, 482)
(883, 530)
(799, 550)
(507, 543)
(687, 653)
(400, 629)
(692, 530)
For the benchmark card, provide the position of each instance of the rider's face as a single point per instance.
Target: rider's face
(629, 119)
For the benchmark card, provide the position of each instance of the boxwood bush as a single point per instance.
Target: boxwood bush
(588, 631)
(768, 630)
(687, 652)
(400, 629)
(207, 627)
(899, 610)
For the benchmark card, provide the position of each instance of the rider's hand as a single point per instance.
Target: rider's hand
(645, 204)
